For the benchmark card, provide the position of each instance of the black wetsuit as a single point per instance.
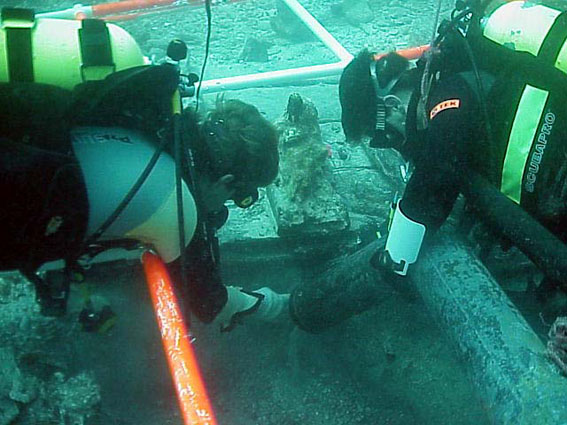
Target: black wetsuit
(206, 293)
(456, 139)
(44, 202)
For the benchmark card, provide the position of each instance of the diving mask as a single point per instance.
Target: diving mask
(385, 135)
(244, 195)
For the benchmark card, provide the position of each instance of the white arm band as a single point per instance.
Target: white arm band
(404, 240)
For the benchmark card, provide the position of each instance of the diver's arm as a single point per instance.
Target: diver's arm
(206, 295)
(428, 200)
(434, 186)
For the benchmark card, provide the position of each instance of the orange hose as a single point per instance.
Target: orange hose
(191, 393)
(125, 17)
(128, 5)
(105, 9)
(410, 53)
(142, 13)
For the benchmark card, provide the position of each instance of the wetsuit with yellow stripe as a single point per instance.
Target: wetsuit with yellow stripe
(516, 141)
(526, 156)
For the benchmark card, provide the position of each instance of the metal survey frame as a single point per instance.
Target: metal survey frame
(111, 10)
(292, 75)
(104, 11)
(117, 11)
(518, 385)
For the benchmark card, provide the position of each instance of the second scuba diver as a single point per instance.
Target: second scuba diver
(496, 112)
(444, 132)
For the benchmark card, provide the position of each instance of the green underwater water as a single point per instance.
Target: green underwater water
(390, 365)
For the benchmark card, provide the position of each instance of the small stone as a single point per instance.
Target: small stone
(254, 50)
(355, 12)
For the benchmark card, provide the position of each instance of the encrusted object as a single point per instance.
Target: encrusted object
(10, 384)
(254, 50)
(557, 344)
(302, 198)
(35, 352)
(302, 151)
(76, 398)
(64, 401)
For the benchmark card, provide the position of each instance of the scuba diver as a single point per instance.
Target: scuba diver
(500, 117)
(485, 105)
(489, 101)
(92, 147)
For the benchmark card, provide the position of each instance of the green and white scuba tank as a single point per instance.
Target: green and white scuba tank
(523, 26)
(62, 52)
(541, 31)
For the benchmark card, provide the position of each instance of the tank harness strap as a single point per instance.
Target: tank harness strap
(96, 50)
(18, 24)
(554, 40)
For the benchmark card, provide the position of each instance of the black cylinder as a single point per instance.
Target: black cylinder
(506, 218)
(350, 286)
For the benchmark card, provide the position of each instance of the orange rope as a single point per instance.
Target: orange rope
(191, 393)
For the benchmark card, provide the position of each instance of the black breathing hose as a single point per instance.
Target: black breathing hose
(207, 45)
(480, 86)
(131, 193)
(506, 218)
(178, 143)
(182, 151)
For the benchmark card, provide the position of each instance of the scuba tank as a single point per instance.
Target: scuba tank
(515, 38)
(62, 52)
(526, 27)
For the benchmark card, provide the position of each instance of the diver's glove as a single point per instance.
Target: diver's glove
(403, 244)
(273, 306)
(262, 304)
(383, 262)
